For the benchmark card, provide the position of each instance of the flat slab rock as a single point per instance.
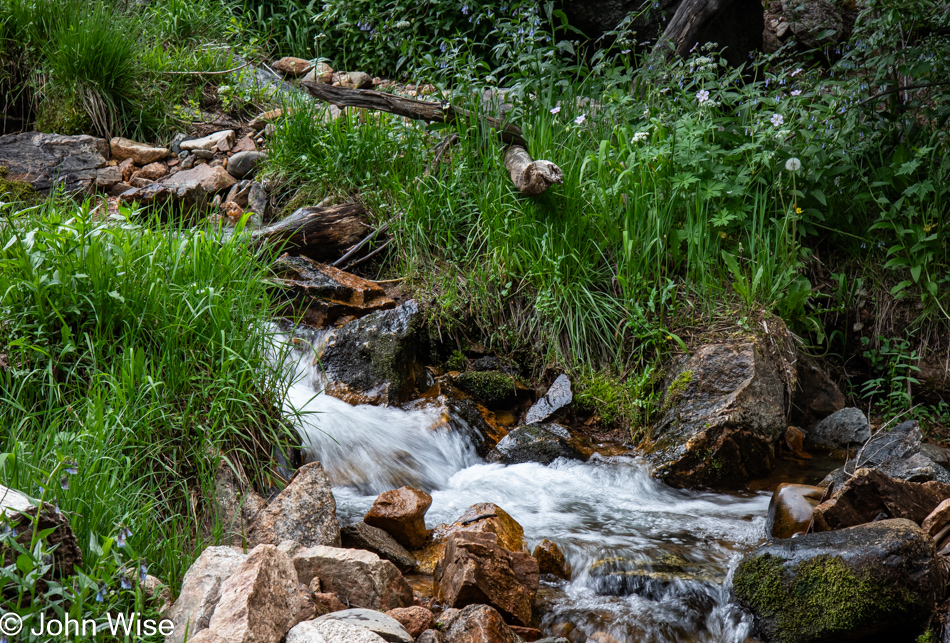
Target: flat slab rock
(46, 160)
(331, 632)
(558, 396)
(386, 627)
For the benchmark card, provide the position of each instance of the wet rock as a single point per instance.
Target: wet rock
(141, 154)
(44, 160)
(322, 294)
(243, 164)
(362, 536)
(724, 408)
(291, 66)
(463, 417)
(414, 619)
(795, 441)
(259, 601)
(331, 632)
(360, 578)
(551, 559)
(474, 569)
(875, 580)
(479, 624)
(653, 578)
(304, 512)
(535, 443)
(846, 428)
(816, 396)
(558, 396)
(871, 495)
(201, 590)
(384, 626)
(210, 142)
(492, 388)
(790, 510)
(212, 179)
(186, 198)
(374, 359)
(236, 502)
(401, 513)
(321, 73)
(937, 521)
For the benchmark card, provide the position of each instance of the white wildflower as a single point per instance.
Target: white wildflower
(793, 164)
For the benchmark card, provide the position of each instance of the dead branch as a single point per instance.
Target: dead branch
(323, 234)
(530, 176)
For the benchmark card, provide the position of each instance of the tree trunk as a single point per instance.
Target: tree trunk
(530, 176)
(690, 19)
(323, 234)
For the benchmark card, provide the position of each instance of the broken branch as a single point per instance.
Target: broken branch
(530, 176)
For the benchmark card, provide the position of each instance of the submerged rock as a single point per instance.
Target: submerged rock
(845, 428)
(791, 508)
(558, 396)
(401, 513)
(723, 411)
(654, 578)
(875, 580)
(535, 443)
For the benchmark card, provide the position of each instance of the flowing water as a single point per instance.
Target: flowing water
(649, 563)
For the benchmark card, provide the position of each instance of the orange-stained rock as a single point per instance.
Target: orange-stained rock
(401, 513)
(327, 602)
(415, 619)
(479, 624)
(551, 559)
(528, 634)
(790, 511)
(291, 66)
(482, 517)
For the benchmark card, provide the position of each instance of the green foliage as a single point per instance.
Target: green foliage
(456, 361)
(631, 401)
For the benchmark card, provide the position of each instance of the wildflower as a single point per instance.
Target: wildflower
(702, 96)
(793, 164)
(796, 92)
(143, 572)
(580, 119)
(777, 120)
(100, 595)
(555, 110)
(625, 52)
(123, 535)
(798, 210)
(640, 136)
(465, 10)
(125, 582)
(796, 72)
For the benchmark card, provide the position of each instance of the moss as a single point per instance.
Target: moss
(819, 598)
(62, 115)
(490, 387)
(677, 387)
(456, 361)
(14, 190)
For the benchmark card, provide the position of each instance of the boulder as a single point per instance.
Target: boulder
(878, 581)
(322, 294)
(790, 510)
(414, 619)
(139, 153)
(152, 171)
(462, 416)
(360, 578)
(374, 360)
(188, 198)
(304, 512)
(43, 161)
(484, 517)
(359, 535)
(243, 164)
(210, 142)
(871, 495)
(321, 73)
(816, 396)
(259, 602)
(401, 513)
(479, 624)
(211, 178)
(845, 428)
(475, 569)
(558, 396)
(201, 589)
(384, 626)
(331, 632)
(291, 66)
(551, 560)
(542, 443)
(723, 410)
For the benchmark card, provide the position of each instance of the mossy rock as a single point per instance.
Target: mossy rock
(492, 388)
(15, 191)
(877, 581)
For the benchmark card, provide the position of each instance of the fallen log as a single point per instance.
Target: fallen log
(419, 110)
(530, 176)
(322, 234)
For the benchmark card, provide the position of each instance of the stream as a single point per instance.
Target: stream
(650, 563)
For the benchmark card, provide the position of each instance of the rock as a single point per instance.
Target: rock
(529, 634)
(257, 199)
(328, 602)
(462, 416)
(871, 495)
(937, 521)
(205, 155)
(108, 178)
(494, 389)
(152, 171)
(795, 440)
(44, 160)
(401, 513)
(653, 579)
(482, 517)
(414, 619)
(245, 144)
(557, 397)
(259, 601)
(445, 619)
(291, 66)
(534, 443)
(374, 360)
(810, 19)
(938, 454)
(551, 559)
(321, 73)
(816, 396)
(212, 179)
(430, 636)
(353, 80)
(177, 140)
(321, 294)
(187, 198)
(139, 183)
(362, 536)
(236, 502)
(24, 516)
(790, 510)
(846, 428)
(306, 606)
(238, 194)
(127, 167)
(475, 569)
(141, 154)
(358, 577)
(723, 410)
(201, 589)
(119, 189)
(331, 632)
(479, 624)
(243, 164)
(210, 141)
(304, 512)
(876, 580)
(384, 626)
